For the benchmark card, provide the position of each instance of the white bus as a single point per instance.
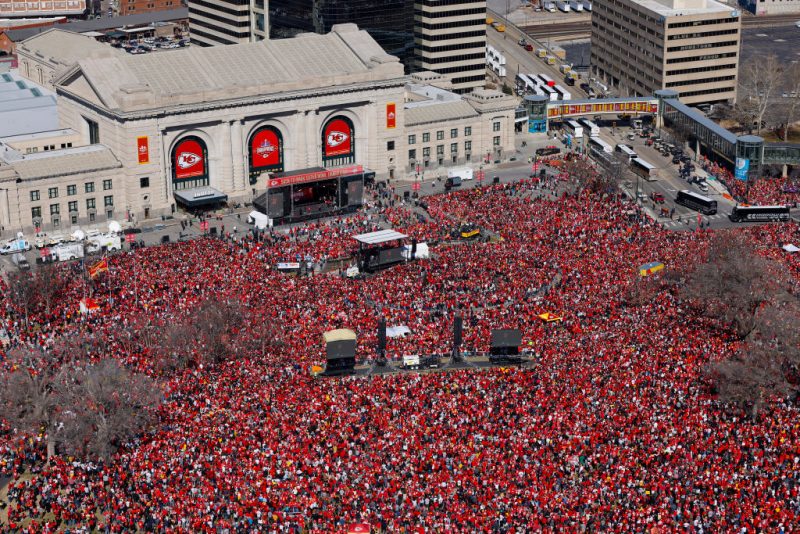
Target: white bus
(521, 84)
(592, 128)
(599, 144)
(573, 128)
(577, 5)
(627, 151)
(643, 169)
(546, 80)
(563, 5)
(565, 95)
(550, 92)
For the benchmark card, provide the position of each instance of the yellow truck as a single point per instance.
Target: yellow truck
(489, 21)
(541, 52)
(550, 60)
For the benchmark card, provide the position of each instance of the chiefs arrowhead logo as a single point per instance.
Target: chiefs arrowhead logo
(142, 149)
(391, 114)
(336, 138)
(187, 160)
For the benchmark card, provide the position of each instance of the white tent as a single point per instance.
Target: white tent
(259, 220)
(790, 248)
(398, 331)
(423, 253)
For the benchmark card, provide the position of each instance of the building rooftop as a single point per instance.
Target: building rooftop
(25, 107)
(674, 8)
(105, 24)
(37, 135)
(197, 75)
(64, 47)
(64, 162)
(440, 106)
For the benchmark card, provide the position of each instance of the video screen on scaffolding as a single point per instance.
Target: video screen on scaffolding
(315, 193)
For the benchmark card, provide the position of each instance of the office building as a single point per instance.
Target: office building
(389, 22)
(133, 7)
(690, 46)
(450, 38)
(223, 22)
(13, 8)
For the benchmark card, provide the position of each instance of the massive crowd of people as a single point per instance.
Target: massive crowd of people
(613, 428)
(766, 191)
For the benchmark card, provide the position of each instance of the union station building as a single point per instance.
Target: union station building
(148, 131)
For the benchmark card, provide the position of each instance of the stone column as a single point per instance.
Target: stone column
(239, 157)
(221, 163)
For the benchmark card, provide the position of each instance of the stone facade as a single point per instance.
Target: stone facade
(137, 125)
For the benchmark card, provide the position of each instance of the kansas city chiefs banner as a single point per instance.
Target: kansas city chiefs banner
(265, 149)
(338, 138)
(189, 159)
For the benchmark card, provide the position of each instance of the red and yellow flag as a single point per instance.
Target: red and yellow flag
(98, 268)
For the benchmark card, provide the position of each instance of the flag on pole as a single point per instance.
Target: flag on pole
(98, 268)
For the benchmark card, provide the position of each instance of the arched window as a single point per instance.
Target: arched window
(338, 142)
(189, 163)
(266, 152)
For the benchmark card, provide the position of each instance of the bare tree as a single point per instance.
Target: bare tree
(85, 409)
(29, 399)
(753, 297)
(22, 292)
(759, 80)
(216, 324)
(749, 379)
(105, 406)
(733, 283)
(791, 105)
(51, 280)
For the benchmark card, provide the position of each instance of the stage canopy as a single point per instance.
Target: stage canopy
(200, 196)
(381, 236)
(342, 334)
(790, 248)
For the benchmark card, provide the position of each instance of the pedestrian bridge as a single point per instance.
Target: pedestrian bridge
(746, 153)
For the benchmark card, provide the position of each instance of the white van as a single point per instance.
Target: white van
(465, 173)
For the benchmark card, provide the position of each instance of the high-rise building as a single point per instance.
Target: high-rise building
(690, 46)
(389, 22)
(218, 22)
(450, 38)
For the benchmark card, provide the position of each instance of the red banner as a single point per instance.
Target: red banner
(143, 149)
(130, 238)
(391, 115)
(189, 159)
(265, 149)
(280, 181)
(338, 138)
